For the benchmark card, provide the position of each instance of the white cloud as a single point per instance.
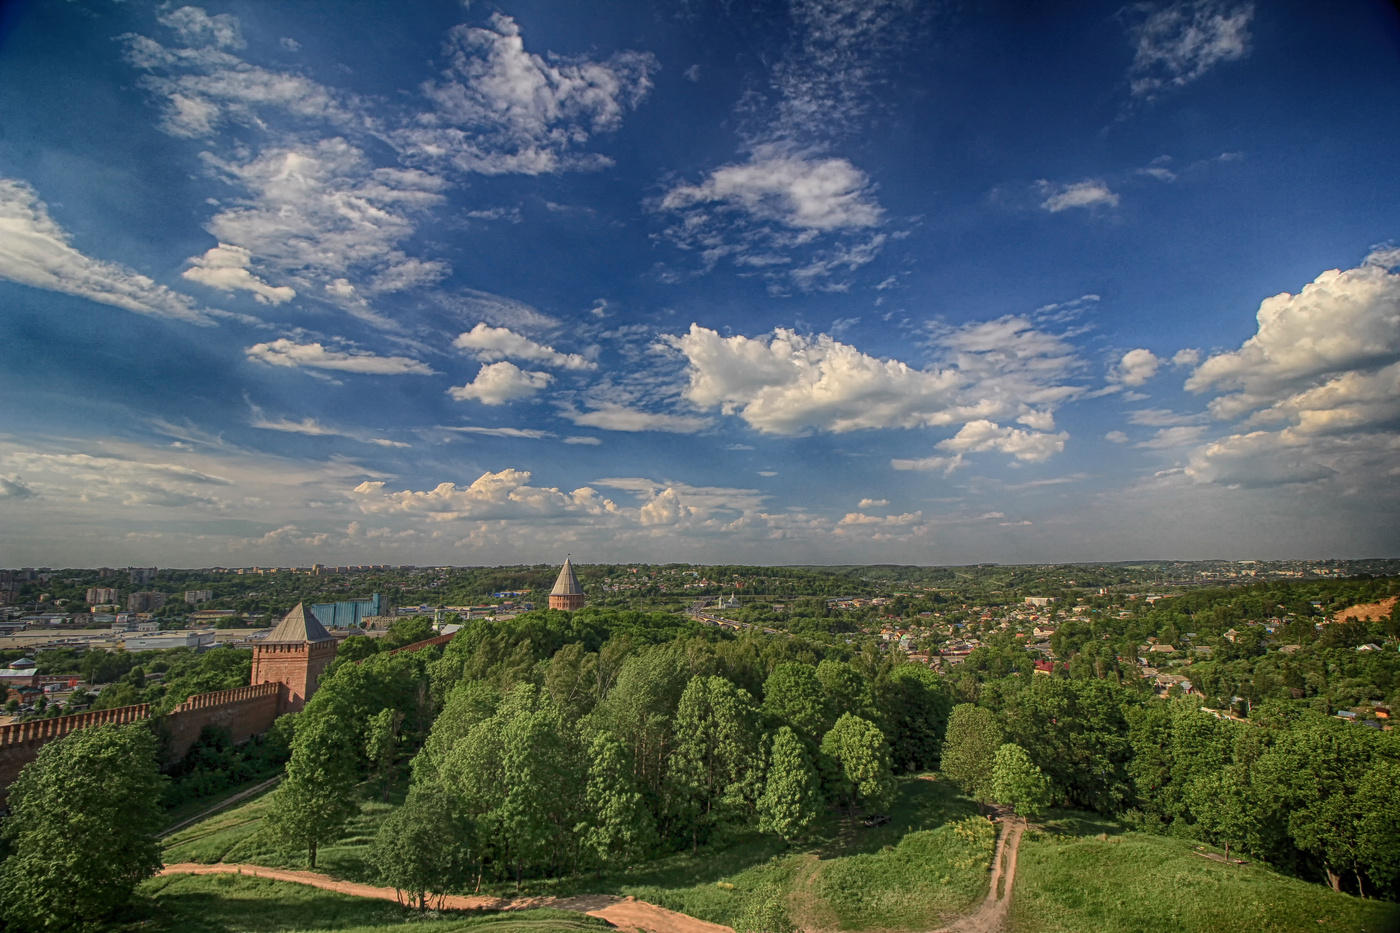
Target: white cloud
(872, 503)
(836, 69)
(1322, 374)
(860, 518)
(623, 418)
(497, 343)
(981, 436)
(226, 268)
(1088, 193)
(313, 428)
(795, 218)
(791, 384)
(524, 433)
(1186, 357)
(582, 440)
(284, 352)
(1341, 321)
(1176, 43)
(503, 495)
(1173, 438)
(320, 212)
(499, 109)
(787, 383)
(1136, 367)
(498, 383)
(196, 27)
(409, 273)
(1116, 437)
(801, 193)
(35, 251)
(1161, 418)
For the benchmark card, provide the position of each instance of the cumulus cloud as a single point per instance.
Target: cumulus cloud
(226, 268)
(1135, 368)
(787, 383)
(499, 109)
(1317, 386)
(497, 343)
(791, 384)
(284, 352)
(983, 435)
(1089, 193)
(1177, 43)
(498, 383)
(872, 503)
(860, 518)
(503, 495)
(36, 251)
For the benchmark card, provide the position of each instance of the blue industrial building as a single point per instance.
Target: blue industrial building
(350, 613)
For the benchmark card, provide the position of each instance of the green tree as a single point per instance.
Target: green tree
(713, 767)
(791, 798)
(1219, 800)
(619, 828)
(423, 847)
(793, 696)
(382, 745)
(317, 795)
(82, 829)
(858, 749)
(914, 704)
(970, 748)
(1018, 783)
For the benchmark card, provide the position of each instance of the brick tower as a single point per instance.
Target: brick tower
(294, 655)
(567, 593)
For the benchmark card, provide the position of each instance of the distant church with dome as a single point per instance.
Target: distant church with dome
(567, 593)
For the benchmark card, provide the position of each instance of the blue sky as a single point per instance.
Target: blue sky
(823, 281)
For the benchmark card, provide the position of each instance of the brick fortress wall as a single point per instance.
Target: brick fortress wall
(244, 711)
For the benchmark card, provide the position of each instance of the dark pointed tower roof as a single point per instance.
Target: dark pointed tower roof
(300, 626)
(567, 584)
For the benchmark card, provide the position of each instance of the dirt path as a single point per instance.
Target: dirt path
(991, 916)
(622, 912)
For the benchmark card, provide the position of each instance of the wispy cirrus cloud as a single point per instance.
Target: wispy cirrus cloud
(1177, 43)
(288, 353)
(1089, 193)
(500, 109)
(36, 251)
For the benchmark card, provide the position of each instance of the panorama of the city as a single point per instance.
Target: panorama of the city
(838, 466)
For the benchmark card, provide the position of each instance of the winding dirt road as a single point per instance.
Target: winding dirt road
(622, 912)
(991, 916)
(625, 913)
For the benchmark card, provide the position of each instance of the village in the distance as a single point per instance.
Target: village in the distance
(50, 620)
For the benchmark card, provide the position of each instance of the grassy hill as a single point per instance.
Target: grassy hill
(929, 864)
(1076, 878)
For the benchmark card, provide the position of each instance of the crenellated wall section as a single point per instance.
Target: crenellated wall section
(20, 742)
(243, 711)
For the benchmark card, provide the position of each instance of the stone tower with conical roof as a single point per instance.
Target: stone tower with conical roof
(567, 593)
(294, 654)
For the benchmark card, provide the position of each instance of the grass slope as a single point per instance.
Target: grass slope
(240, 904)
(1072, 883)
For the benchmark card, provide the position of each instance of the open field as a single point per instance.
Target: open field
(1120, 883)
(239, 904)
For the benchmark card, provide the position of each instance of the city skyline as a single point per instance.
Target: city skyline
(812, 282)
